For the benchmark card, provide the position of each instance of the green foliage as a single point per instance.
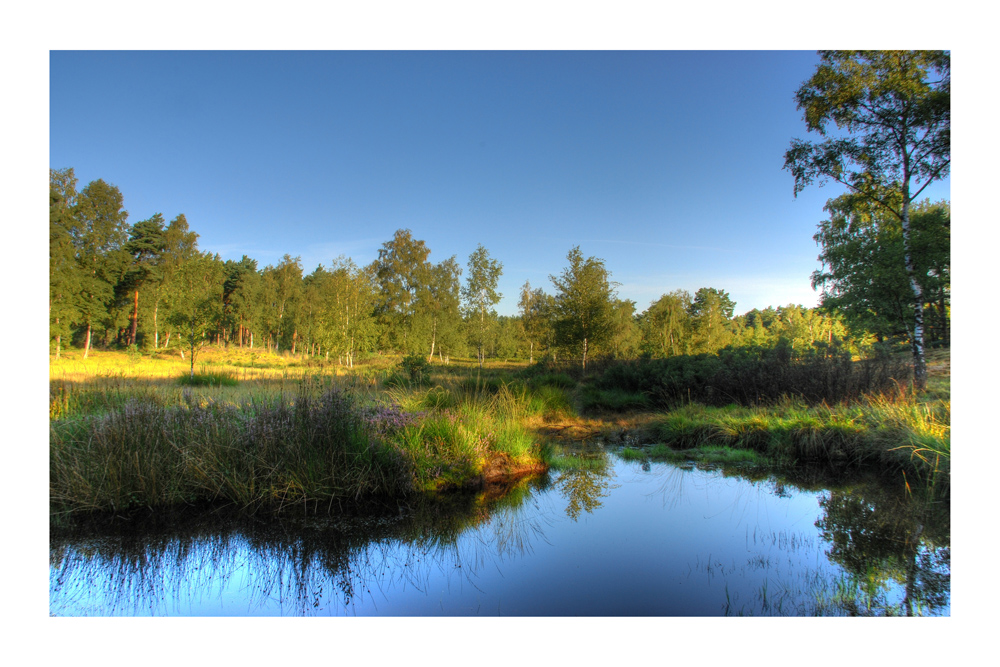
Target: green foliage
(196, 300)
(399, 273)
(535, 322)
(416, 367)
(710, 311)
(480, 295)
(750, 376)
(864, 271)
(594, 399)
(583, 304)
(64, 273)
(894, 112)
(210, 379)
(666, 325)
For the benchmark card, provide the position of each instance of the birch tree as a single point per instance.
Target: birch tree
(892, 110)
(584, 301)
(480, 295)
(197, 300)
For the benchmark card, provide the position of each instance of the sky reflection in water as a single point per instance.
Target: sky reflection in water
(623, 539)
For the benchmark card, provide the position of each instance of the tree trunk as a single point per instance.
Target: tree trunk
(585, 354)
(430, 357)
(943, 312)
(917, 337)
(156, 330)
(86, 347)
(482, 328)
(135, 319)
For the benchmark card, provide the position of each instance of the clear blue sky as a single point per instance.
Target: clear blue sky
(666, 164)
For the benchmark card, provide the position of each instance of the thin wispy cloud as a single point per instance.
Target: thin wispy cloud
(649, 244)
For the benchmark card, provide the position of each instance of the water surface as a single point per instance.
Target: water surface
(622, 538)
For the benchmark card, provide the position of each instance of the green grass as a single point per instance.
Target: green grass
(613, 400)
(575, 462)
(126, 433)
(896, 433)
(216, 379)
(702, 454)
(120, 442)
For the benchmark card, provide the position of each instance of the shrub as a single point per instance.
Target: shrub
(213, 379)
(752, 376)
(416, 367)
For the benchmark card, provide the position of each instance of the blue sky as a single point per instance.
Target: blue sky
(666, 164)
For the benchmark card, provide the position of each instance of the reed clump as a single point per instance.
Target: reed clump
(894, 431)
(146, 454)
(311, 446)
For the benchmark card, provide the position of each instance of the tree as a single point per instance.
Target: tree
(197, 299)
(239, 301)
(246, 300)
(480, 293)
(863, 273)
(895, 109)
(100, 234)
(349, 313)
(64, 283)
(534, 318)
(145, 245)
(667, 325)
(583, 303)
(282, 289)
(179, 245)
(438, 315)
(400, 271)
(625, 336)
(710, 312)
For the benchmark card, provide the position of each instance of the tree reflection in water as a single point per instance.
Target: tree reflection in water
(584, 487)
(880, 538)
(858, 548)
(302, 565)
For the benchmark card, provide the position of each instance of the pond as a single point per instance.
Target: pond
(612, 538)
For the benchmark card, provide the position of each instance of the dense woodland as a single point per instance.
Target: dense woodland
(116, 284)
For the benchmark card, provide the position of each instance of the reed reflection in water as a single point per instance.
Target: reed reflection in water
(618, 538)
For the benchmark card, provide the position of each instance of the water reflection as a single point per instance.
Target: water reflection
(882, 540)
(289, 566)
(659, 540)
(584, 487)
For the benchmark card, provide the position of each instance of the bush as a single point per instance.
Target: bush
(416, 367)
(213, 379)
(752, 376)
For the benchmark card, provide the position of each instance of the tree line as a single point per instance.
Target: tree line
(147, 285)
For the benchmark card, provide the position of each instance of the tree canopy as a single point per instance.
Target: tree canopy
(148, 285)
(893, 113)
(583, 303)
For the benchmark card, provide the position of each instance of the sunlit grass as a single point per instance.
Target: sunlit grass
(453, 434)
(897, 432)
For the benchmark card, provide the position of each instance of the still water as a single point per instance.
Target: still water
(618, 538)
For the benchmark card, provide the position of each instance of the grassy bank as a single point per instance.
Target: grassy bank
(254, 430)
(128, 435)
(896, 433)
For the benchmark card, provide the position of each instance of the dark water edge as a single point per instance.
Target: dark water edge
(618, 539)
